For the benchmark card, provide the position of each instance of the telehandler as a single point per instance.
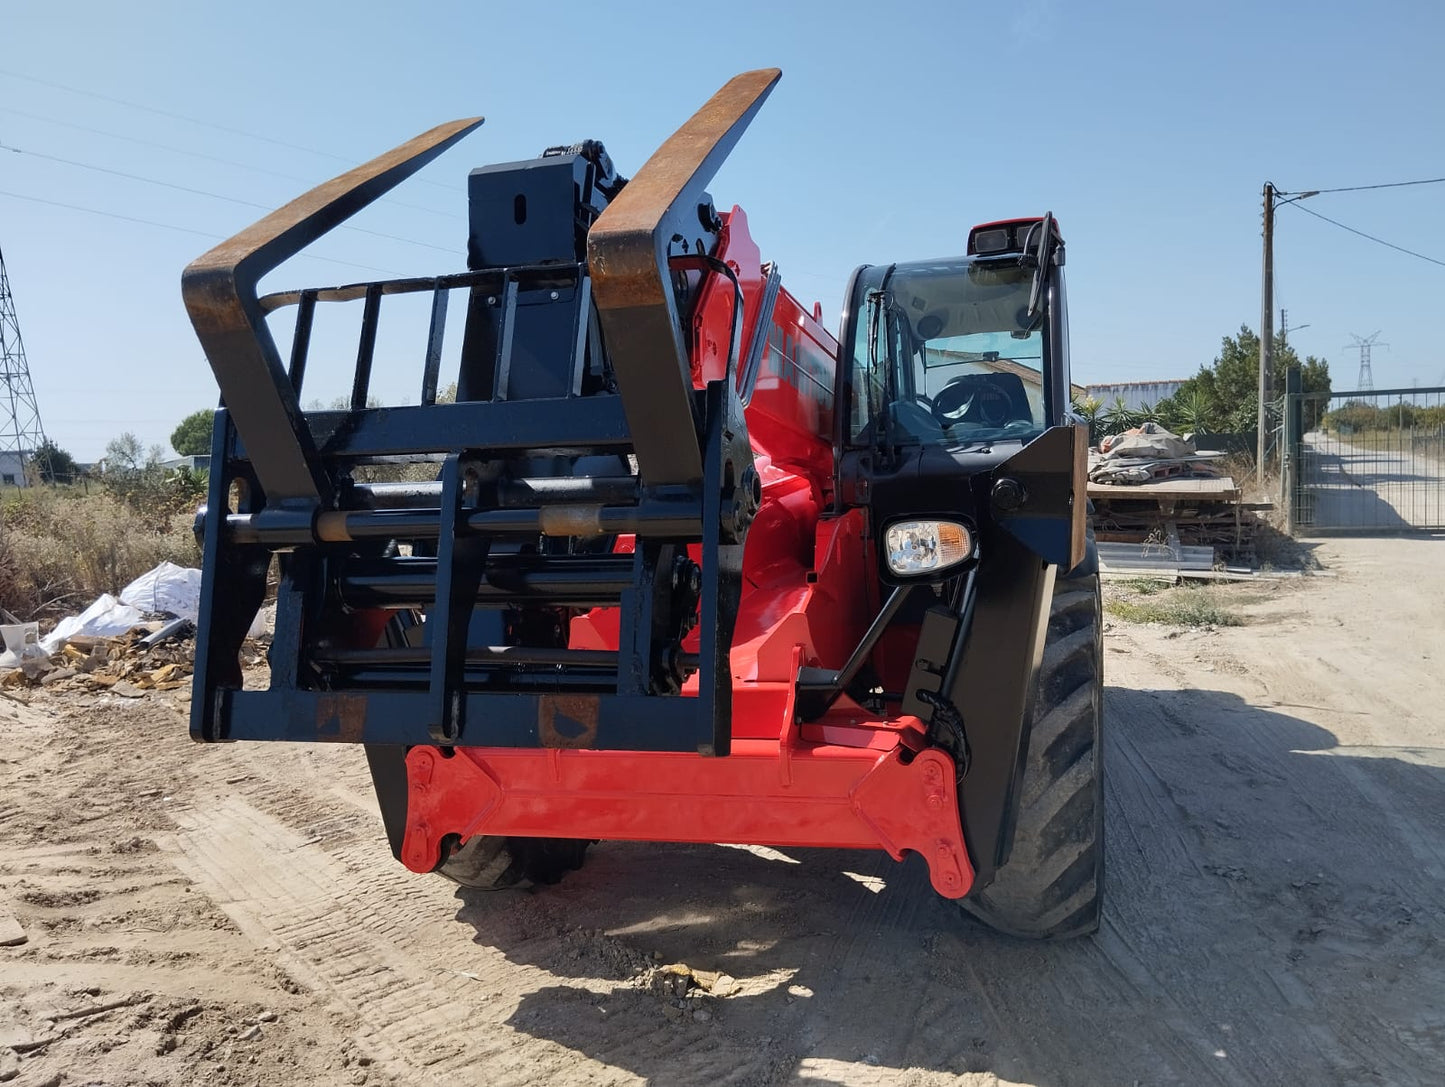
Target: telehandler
(676, 564)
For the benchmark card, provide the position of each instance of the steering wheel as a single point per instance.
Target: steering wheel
(953, 401)
(917, 417)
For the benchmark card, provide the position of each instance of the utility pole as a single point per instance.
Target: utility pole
(1266, 317)
(1266, 328)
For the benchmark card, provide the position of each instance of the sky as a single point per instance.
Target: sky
(1149, 129)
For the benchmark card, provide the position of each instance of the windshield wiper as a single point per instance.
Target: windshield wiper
(877, 298)
(875, 309)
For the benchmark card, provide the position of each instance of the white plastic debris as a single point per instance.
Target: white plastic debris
(168, 588)
(21, 640)
(264, 623)
(106, 618)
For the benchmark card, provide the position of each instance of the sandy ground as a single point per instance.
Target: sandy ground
(1276, 819)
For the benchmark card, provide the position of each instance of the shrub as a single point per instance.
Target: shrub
(60, 548)
(1362, 416)
(55, 465)
(1184, 607)
(156, 497)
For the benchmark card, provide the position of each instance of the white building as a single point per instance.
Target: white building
(1135, 394)
(12, 469)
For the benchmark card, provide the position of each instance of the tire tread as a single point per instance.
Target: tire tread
(1051, 887)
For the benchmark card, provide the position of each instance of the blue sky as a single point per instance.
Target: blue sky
(1148, 128)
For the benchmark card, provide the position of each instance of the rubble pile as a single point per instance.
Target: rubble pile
(1150, 454)
(1155, 491)
(131, 646)
(123, 665)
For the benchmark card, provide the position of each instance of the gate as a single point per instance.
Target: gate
(1366, 461)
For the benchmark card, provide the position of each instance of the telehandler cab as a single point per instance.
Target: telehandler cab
(676, 565)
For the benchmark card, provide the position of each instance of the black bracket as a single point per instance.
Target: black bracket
(461, 557)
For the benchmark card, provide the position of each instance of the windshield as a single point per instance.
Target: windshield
(944, 352)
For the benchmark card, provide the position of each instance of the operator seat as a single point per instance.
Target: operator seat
(1010, 386)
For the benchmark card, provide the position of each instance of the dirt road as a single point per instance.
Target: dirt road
(1276, 818)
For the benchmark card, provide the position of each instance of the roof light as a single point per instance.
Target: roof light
(1004, 236)
(995, 240)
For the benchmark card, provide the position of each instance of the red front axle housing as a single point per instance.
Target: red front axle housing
(854, 787)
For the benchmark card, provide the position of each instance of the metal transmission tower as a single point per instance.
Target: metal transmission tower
(1366, 380)
(20, 429)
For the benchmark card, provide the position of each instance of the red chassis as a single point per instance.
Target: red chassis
(790, 792)
(851, 779)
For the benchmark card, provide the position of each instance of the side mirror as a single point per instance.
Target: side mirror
(1041, 258)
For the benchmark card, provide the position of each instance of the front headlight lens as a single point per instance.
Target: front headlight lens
(921, 547)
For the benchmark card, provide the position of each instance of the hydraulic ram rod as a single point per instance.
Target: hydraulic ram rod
(409, 582)
(285, 527)
(510, 493)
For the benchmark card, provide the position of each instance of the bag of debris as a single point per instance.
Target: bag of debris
(168, 588)
(106, 618)
(1148, 442)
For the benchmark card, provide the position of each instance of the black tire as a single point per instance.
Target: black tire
(491, 863)
(1052, 886)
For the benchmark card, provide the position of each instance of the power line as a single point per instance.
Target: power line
(308, 181)
(203, 192)
(192, 120)
(173, 116)
(132, 177)
(1386, 185)
(182, 229)
(113, 215)
(123, 419)
(1362, 234)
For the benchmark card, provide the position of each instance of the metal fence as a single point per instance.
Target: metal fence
(1366, 461)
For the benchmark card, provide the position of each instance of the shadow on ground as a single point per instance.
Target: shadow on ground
(1274, 916)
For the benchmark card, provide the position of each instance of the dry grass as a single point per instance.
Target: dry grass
(1150, 601)
(60, 548)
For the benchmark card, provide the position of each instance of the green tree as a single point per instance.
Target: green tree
(54, 464)
(124, 454)
(1224, 396)
(135, 476)
(1118, 417)
(1090, 409)
(1187, 412)
(192, 436)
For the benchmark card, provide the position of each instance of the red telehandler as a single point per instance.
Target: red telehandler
(676, 565)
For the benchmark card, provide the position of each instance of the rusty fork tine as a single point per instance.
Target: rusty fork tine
(627, 260)
(219, 289)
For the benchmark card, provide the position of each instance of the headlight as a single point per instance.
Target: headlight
(921, 547)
